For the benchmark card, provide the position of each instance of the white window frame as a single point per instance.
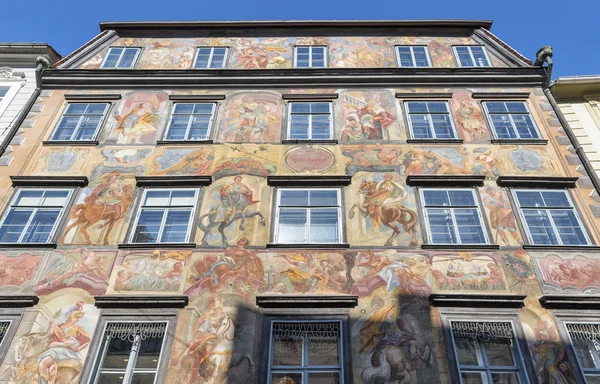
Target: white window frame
(488, 117)
(13, 89)
(431, 127)
(310, 55)
(164, 208)
(469, 47)
(210, 58)
(187, 131)
(482, 222)
(310, 114)
(526, 225)
(307, 208)
(305, 370)
(130, 369)
(412, 55)
(35, 208)
(98, 128)
(133, 63)
(517, 353)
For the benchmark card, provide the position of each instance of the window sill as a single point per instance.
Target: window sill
(183, 142)
(520, 141)
(308, 246)
(434, 141)
(539, 247)
(156, 245)
(4, 246)
(90, 143)
(460, 247)
(296, 141)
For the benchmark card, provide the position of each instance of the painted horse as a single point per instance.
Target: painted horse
(389, 214)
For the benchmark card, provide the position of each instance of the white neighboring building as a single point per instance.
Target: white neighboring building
(17, 81)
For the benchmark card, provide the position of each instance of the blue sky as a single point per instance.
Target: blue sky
(570, 27)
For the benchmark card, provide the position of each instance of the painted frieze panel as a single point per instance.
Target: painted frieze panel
(19, 271)
(182, 161)
(568, 273)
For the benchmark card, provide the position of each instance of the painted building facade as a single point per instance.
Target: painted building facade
(297, 202)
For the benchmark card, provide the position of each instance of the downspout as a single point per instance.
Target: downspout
(545, 55)
(42, 62)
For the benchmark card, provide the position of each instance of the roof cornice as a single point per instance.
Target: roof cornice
(132, 25)
(285, 78)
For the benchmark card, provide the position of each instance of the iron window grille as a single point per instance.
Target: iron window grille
(585, 340)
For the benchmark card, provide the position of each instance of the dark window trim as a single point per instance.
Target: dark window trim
(296, 141)
(477, 300)
(309, 96)
(93, 97)
(562, 248)
(500, 95)
(570, 302)
(8, 246)
(156, 245)
(308, 181)
(184, 142)
(18, 301)
(462, 247)
(192, 98)
(520, 141)
(141, 301)
(435, 141)
(49, 181)
(308, 246)
(307, 301)
(436, 181)
(424, 95)
(73, 143)
(173, 181)
(549, 182)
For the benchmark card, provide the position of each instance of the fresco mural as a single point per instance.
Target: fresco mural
(368, 116)
(251, 117)
(19, 270)
(149, 271)
(182, 161)
(467, 272)
(501, 216)
(234, 207)
(138, 118)
(468, 117)
(277, 52)
(258, 160)
(568, 273)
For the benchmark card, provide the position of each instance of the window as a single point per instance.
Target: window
(120, 57)
(472, 56)
(190, 121)
(310, 56)
(306, 352)
(453, 216)
(3, 92)
(487, 352)
(413, 56)
(211, 57)
(33, 215)
(80, 122)
(308, 216)
(430, 120)
(550, 218)
(130, 353)
(511, 120)
(4, 327)
(165, 216)
(310, 121)
(585, 339)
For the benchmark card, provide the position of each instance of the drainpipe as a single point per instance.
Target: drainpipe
(42, 62)
(544, 55)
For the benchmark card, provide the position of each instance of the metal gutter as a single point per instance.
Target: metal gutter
(584, 79)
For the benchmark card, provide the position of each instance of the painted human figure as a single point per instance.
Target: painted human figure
(88, 264)
(139, 121)
(108, 193)
(352, 131)
(235, 196)
(66, 341)
(501, 215)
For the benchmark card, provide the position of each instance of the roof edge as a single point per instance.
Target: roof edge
(113, 25)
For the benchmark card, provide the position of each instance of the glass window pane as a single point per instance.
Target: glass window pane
(524, 126)
(421, 126)
(319, 107)
(568, 227)
(417, 107)
(496, 107)
(111, 378)
(117, 355)
(41, 225)
(505, 378)
(436, 197)
(29, 197)
(540, 227)
(326, 197)
(127, 60)
(87, 128)
(469, 226)
(76, 109)
(324, 226)
(178, 127)
(300, 107)
(461, 198)
(66, 127)
(321, 127)
(503, 127)
(472, 378)
(184, 108)
(437, 107)
(499, 352)
(203, 108)
(199, 127)
(466, 351)
(286, 378)
(587, 355)
(299, 127)
(441, 226)
(148, 226)
(294, 198)
(516, 107)
(176, 226)
(287, 350)
(480, 58)
(530, 199)
(149, 352)
(14, 225)
(96, 109)
(157, 198)
(143, 378)
(181, 197)
(421, 57)
(556, 199)
(292, 226)
(323, 350)
(442, 126)
(323, 377)
(54, 198)
(112, 58)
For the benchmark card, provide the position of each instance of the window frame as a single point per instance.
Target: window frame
(310, 55)
(433, 139)
(480, 215)
(525, 226)
(13, 89)
(139, 206)
(449, 314)
(307, 208)
(488, 118)
(133, 62)
(211, 122)
(575, 316)
(310, 114)
(212, 51)
(59, 219)
(99, 128)
(130, 315)
(412, 55)
(485, 53)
